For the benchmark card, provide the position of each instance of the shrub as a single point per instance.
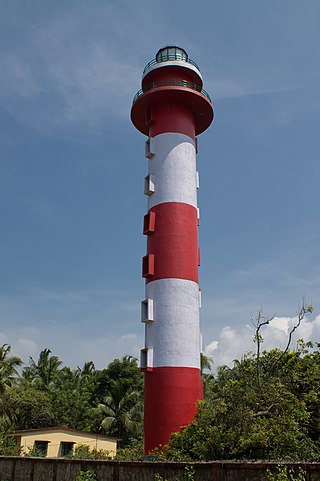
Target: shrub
(35, 453)
(86, 475)
(8, 446)
(189, 475)
(83, 451)
(284, 473)
(132, 452)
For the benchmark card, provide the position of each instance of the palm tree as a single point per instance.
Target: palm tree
(122, 410)
(87, 370)
(8, 368)
(45, 369)
(205, 362)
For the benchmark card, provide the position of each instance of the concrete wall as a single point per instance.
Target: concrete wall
(45, 469)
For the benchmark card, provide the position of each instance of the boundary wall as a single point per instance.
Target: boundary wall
(52, 469)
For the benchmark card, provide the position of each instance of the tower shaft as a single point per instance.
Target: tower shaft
(171, 109)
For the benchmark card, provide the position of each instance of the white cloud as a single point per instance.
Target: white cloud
(26, 347)
(229, 345)
(77, 326)
(73, 346)
(213, 346)
(310, 329)
(281, 323)
(232, 343)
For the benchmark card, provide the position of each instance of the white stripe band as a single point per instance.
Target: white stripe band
(173, 167)
(174, 335)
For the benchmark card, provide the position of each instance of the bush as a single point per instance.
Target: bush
(83, 451)
(86, 475)
(283, 473)
(189, 475)
(35, 453)
(8, 446)
(133, 452)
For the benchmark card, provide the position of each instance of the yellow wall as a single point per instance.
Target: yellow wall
(27, 441)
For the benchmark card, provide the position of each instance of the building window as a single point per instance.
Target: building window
(41, 446)
(66, 449)
(148, 265)
(147, 310)
(172, 52)
(149, 223)
(146, 359)
(149, 184)
(149, 153)
(197, 180)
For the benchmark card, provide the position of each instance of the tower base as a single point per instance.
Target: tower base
(171, 395)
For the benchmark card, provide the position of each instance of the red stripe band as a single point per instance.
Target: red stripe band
(173, 242)
(171, 394)
(172, 118)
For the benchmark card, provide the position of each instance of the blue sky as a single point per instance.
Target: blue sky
(72, 168)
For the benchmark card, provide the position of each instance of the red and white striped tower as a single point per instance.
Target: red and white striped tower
(171, 109)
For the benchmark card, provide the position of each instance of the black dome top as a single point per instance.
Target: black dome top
(171, 52)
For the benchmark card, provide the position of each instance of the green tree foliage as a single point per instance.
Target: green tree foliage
(189, 475)
(43, 372)
(87, 475)
(25, 407)
(266, 406)
(83, 451)
(133, 451)
(262, 408)
(121, 411)
(8, 368)
(72, 399)
(8, 446)
(50, 394)
(205, 363)
(284, 473)
(126, 370)
(126, 373)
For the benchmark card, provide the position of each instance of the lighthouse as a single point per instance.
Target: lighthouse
(171, 109)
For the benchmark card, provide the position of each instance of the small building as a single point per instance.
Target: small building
(60, 442)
